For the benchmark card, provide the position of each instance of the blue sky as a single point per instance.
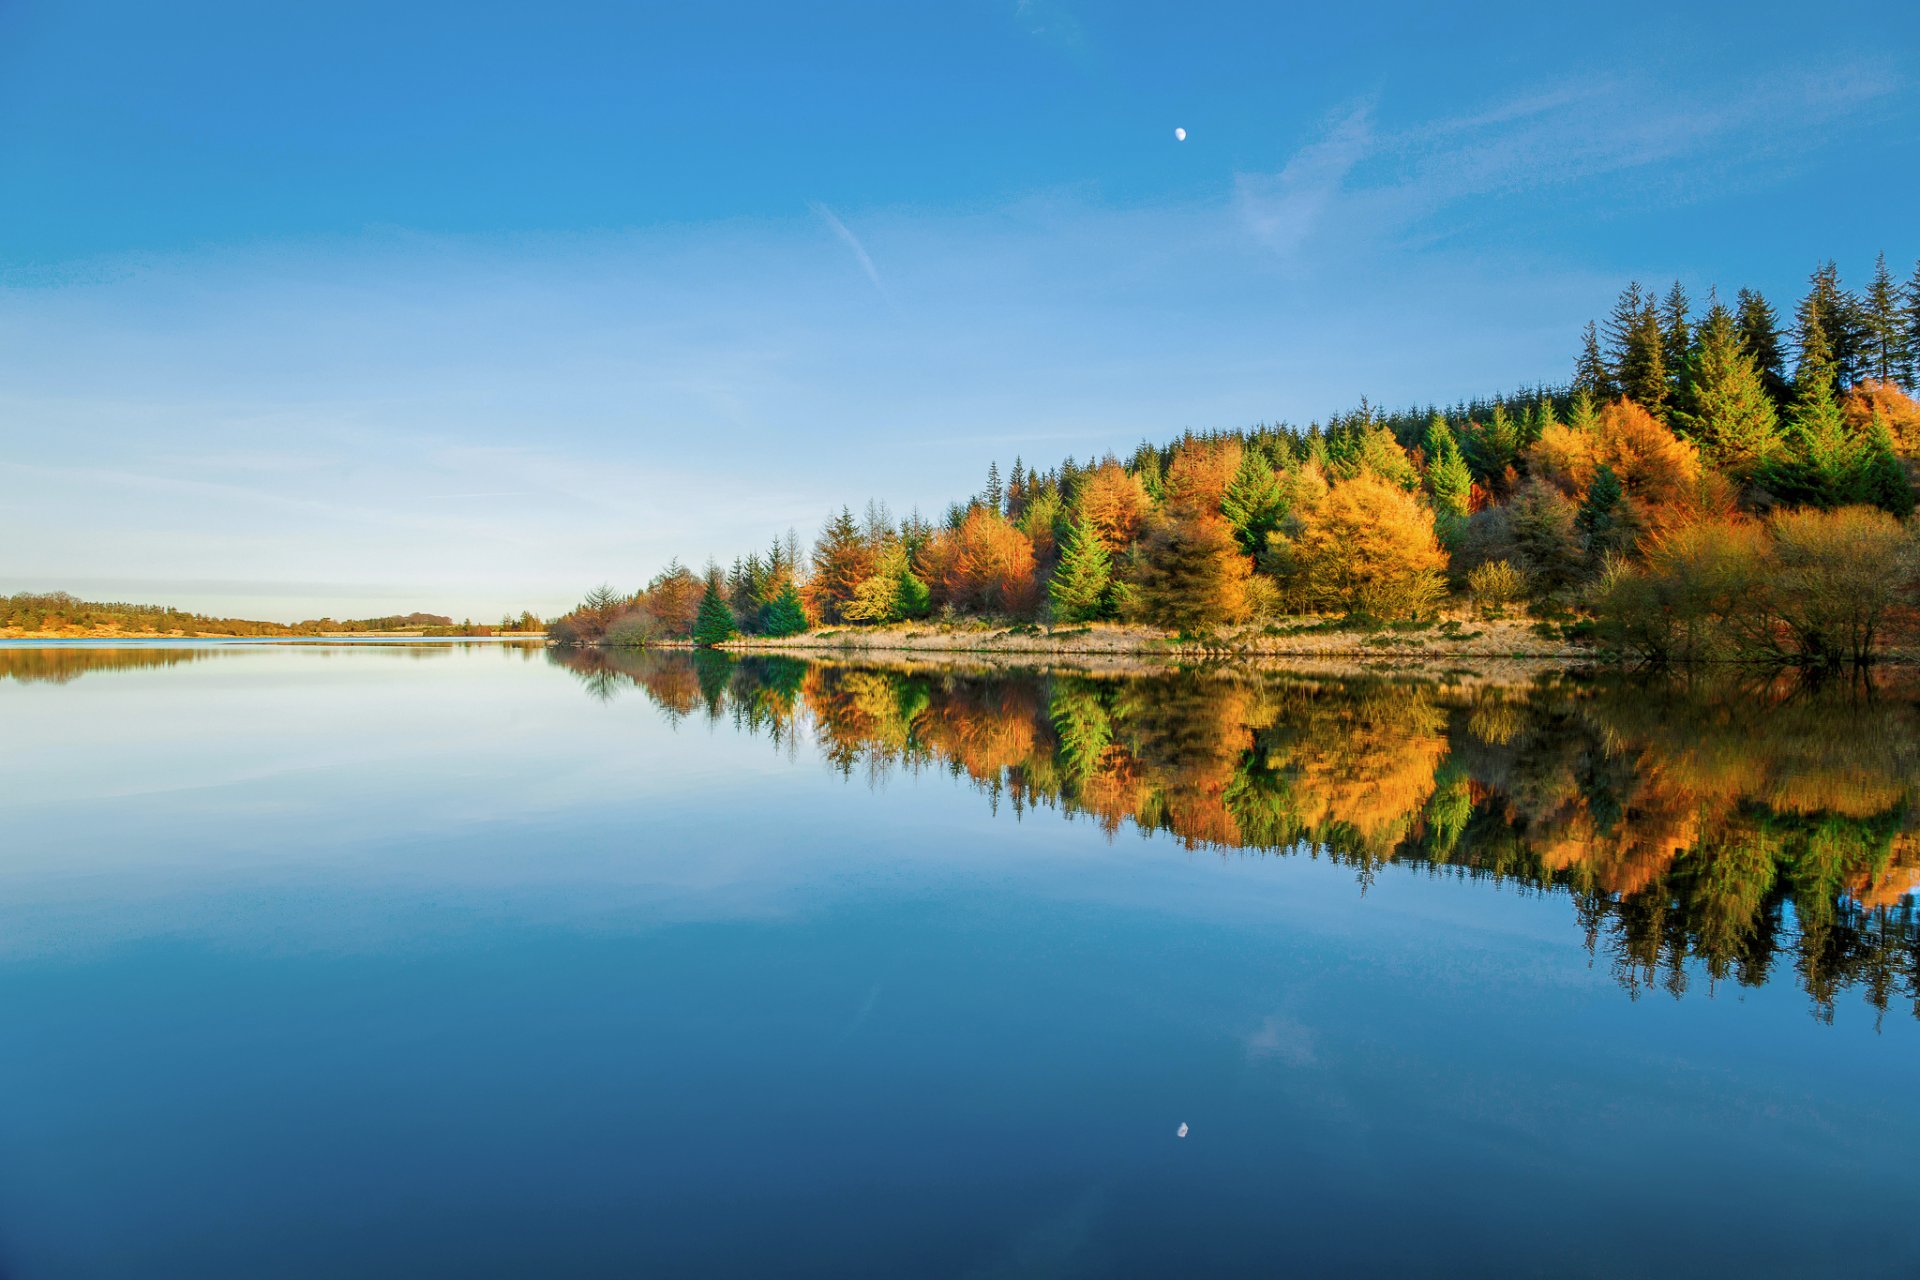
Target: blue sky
(352, 307)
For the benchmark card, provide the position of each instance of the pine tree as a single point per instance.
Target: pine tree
(1758, 329)
(1253, 503)
(1493, 446)
(1910, 375)
(1583, 417)
(1590, 372)
(1733, 419)
(1598, 519)
(1886, 339)
(1621, 324)
(785, 615)
(1448, 479)
(1676, 345)
(1082, 586)
(1883, 480)
(993, 498)
(1824, 468)
(714, 623)
(1642, 373)
(1837, 314)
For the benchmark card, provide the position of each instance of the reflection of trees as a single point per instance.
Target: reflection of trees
(36, 664)
(1734, 832)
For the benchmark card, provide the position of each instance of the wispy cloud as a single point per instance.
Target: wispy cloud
(1357, 179)
(852, 242)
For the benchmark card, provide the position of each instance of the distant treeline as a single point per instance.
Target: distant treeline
(58, 611)
(1712, 482)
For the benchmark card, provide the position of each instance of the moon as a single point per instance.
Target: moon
(1179, 135)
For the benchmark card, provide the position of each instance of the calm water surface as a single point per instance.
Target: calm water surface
(485, 961)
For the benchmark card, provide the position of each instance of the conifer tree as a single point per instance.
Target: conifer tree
(714, 623)
(1758, 329)
(1599, 520)
(785, 615)
(1885, 357)
(1621, 324)
(1590, 371)
(1253, 503)
(1448, 479)
(1584, 416)
(1493, 446)
(1910, 375)
(1883, 480)
(1837, 315)
(1082, 586)
(1733, 419)
(1824, 468)
(1642, 373)
(993, 497)
(1676, 345)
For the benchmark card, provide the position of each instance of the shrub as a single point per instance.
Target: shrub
(1496, 584)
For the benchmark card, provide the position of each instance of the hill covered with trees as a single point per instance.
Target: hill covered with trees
(57, 613)
(1712, 482)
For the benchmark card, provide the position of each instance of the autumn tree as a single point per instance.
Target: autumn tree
(1366, 547)
(842, 560)
(1190, 575)
(1202, 470)
(1114, 503)
(986, 565)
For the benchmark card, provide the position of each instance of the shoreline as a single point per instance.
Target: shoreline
(108, 633)
(1480, 641)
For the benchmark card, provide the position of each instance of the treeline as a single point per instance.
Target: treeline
(1705, 475)
(57, 611)
(1756, 829)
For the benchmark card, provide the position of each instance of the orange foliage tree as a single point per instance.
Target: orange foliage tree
(986, 565)
(1201, 472)
(1893, 406)
(1114, 503)
(1363, 545)
(1654, 466)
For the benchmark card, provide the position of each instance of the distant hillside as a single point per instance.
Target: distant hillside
(59, 613)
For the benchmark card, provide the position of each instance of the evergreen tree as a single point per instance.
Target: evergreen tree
(1837, 315)
(1448, 479)
(1493, 446)
(785, 615)
(1016, 489)
(993, 497)
(1642, 373)
(1885, 356)
(1676, 345)
(1082, 586)
(1599, 522)
(1590, 371)
(1733, 419)
(1621, 325)
(1824, 467)
(1583, 417)
(714, 623)
(1758, 329)
(1910, 375)
(1883, 480)
(1253, 503)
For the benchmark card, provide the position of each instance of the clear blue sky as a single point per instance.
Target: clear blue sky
(347, 307)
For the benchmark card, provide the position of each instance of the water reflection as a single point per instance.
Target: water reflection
(1725, 832)
(59, 664)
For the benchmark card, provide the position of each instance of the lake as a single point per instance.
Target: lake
(491, 960)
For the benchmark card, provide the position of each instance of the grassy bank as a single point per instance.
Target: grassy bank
(1457, 639)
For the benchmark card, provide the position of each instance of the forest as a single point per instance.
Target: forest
(1713, 481)
(56, 612)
